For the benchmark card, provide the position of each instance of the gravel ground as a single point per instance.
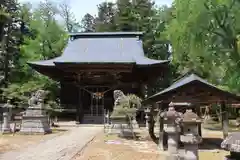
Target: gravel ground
(62, 147)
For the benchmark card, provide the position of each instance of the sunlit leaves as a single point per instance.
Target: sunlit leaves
(204, 38)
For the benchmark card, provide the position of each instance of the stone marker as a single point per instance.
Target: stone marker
(232, 143)
(190, 137)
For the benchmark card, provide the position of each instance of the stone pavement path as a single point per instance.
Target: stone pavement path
(62, 147)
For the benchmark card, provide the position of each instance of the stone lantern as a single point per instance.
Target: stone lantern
(190, 137)
(172, 119)
(147, 111)
(232, 143)
(7, 112)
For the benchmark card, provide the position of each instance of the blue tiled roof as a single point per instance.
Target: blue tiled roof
(103, 50)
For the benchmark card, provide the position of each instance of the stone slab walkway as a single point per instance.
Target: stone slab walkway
(62, 147)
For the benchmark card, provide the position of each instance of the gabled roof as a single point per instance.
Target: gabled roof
(189, 80)
(115, 50)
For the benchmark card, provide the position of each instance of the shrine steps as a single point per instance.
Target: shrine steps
(90, 119)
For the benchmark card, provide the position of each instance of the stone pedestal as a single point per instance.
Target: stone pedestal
(173, 134)
(35, 121)
(172, 118)
(120, 126)
(190, 137)
(190, 146)
(6, 126)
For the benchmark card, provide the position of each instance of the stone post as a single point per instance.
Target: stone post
(172, 119)
(190, 137)
(6, 126)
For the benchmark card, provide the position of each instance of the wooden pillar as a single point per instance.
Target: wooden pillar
(198, 112)
(160, 142)
(224, 114)
(79, 107)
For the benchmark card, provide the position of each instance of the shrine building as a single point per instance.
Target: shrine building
(93, 65)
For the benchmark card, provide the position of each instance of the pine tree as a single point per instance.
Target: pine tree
(105, 21)
(11, 42)
(88, 23)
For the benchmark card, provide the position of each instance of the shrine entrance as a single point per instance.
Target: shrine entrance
(96, 102)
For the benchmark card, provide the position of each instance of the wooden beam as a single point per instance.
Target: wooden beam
(224, 118)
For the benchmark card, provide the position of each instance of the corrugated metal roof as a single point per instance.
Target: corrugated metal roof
(103, 50)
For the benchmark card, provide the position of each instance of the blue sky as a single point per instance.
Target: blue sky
(81, 7)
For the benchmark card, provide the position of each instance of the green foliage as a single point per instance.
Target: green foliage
(4, 17)
(138, 15)
(44, 39)
(127, 106)
(204, 36)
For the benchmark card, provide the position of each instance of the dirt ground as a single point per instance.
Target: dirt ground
(10, 142)
(114, 148)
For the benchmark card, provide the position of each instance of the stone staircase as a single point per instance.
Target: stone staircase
(90, 119)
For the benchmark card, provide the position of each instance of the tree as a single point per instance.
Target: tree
(105, 21)
(204, 36)
(68, 17)
(88, 23)
(10, 43)
(47, 40)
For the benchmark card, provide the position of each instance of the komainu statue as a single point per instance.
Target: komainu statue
(41, 94)
(32, 101)
(124, 112)
(35, 119)
(119, 97)
(36, 97)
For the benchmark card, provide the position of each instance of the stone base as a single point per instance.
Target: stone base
(6, 130)
(35, 125)
(173, 157)
(122, 129)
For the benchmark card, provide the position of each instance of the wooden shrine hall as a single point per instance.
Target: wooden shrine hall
(192, 91)
(92, 65)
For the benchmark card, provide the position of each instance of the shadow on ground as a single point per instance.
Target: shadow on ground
(211, 143)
